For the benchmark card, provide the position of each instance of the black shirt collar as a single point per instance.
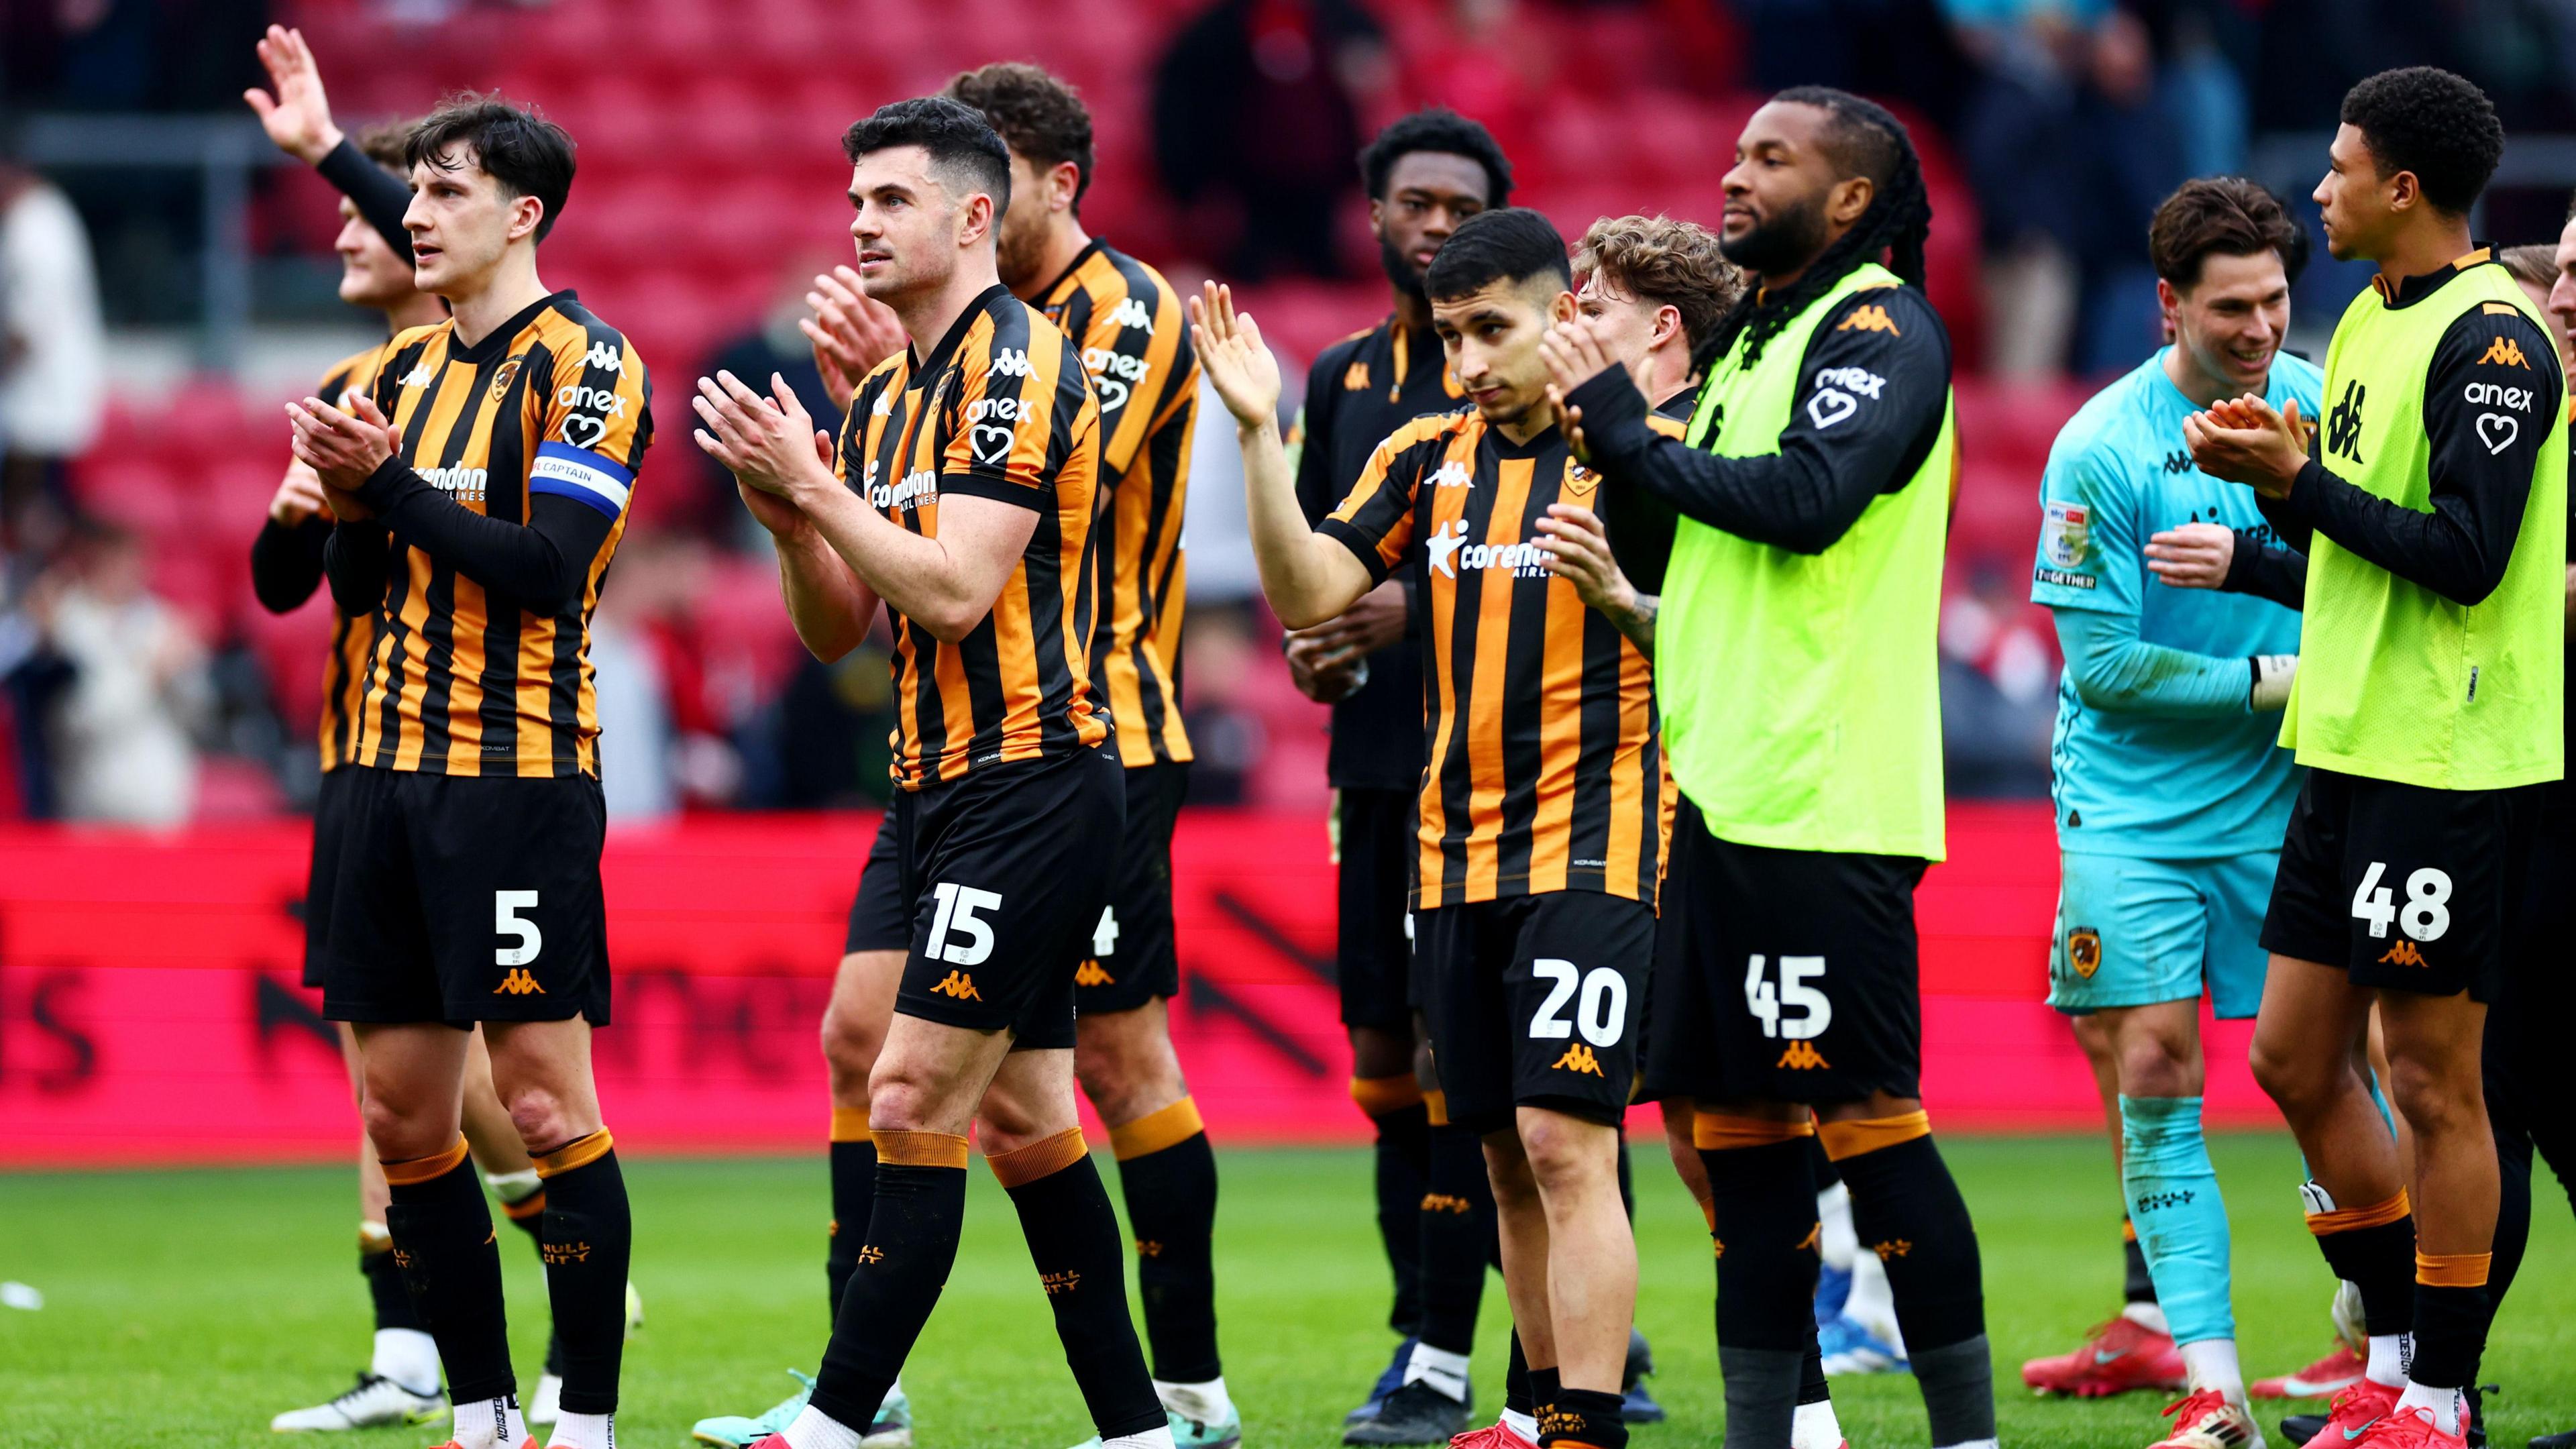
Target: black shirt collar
(2411, 290)
(499, 338)
(985, 301)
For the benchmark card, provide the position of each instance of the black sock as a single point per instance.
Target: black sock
(1544, 1387)
(2452, 1310)
(1906, 1208)
(589, 1238)
(528, 1216)
(1073, 1240)
(2138, 1285)
(1812, 1388)
(1516, 1380)
(1767, 1236)
(1583, 1416)
(2513, 1206)
(1823, 1166)
(854, 1193)
(1167, 1174)
(385, 1290)
(1403, 1152)
(1454, 1240)
(442, 1231)
(902, 1263)
(2377, 1257)
(1627, 1180)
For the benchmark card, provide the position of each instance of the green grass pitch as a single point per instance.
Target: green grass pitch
(184, 1308)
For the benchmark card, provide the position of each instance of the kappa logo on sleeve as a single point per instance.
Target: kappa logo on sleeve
(2505, 352)
(1872, 318)
(604, 357)
(1010, 362)
(1131, 312)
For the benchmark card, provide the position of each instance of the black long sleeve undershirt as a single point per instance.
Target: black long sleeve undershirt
(2483, 453)
(286, 562)
(357, 562)
(1868, 408)
(542, 567)
(2266, 571)
(380, 196)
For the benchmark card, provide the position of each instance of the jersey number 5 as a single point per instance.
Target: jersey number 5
(1815, 1010)
(2428, 903)
(506, 921)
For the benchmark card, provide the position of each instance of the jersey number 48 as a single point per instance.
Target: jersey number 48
(2427, 914)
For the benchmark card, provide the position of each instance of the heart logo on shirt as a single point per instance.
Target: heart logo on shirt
(584, 431)
(991, 443)
(1112, 392)
(2497, 431)
(1830, 406)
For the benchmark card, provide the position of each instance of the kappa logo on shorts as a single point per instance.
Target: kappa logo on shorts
(518, 983)
(871, 1253)
(957, 984)
(1579, 1059)
(2084, 951)
(1439, 1202)
(2404, 954)
(1801, 1056)
(1894, 1248)
(1090, 973)
(1148, 1248)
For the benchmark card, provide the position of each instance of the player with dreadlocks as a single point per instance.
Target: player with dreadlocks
(1795, 656)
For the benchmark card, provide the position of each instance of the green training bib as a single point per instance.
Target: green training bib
(1801, 695)
(2396, 682)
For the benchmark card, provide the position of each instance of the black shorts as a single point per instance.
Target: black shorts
(1008, 869)
(880, 913)
(330, 828)
(1130, 959)
(467, 898)
(1788, 975)
(1373, 959)
(2404, 887)
(1534, 1001)
(2523, 1083)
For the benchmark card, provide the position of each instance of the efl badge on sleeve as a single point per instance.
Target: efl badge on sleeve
(2084, 951)
(2062, 537)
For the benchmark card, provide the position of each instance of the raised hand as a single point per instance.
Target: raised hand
(341, 448)
(1575, 354)
(298, 496)
(768, 443)
(2242, 440)
(298, 118)
(1238, 366)
(851, 332)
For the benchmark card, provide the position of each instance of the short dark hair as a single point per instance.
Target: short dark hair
(1665, 263)
(384, 142)
(1507, 244)
(515, 146)
(1439, 129)
(2224, 215)
(2433, 123)
(1035, 114)
(958, 139)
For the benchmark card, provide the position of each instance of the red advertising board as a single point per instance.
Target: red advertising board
(150, 1011)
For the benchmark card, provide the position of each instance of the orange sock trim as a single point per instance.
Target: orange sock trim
(1872, 1134)
(1717, 1132)
(1436, 1103)
(850, 1124)
(414, 1171)
(2452, 1270)
(2372, 1215)
(526, 1207)
(2128, 1231)
(1163, 1127)
(921, 1149)
(1378, 1096)
(1043, 1158)
(579, 1152)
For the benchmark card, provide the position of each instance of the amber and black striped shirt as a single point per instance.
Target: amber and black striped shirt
(999, 409)
(461, 679)
(1136, 347)
(1544, 771)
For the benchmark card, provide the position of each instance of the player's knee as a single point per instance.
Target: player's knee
(2158, 1066)
(2295, 1080)
(1564, 1155)
(1507, 1167)
(539, 1116)
(399, 1131)
(2436, 1098)
(851, 1041)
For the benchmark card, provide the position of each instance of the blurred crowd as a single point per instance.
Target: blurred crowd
(132, 694)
